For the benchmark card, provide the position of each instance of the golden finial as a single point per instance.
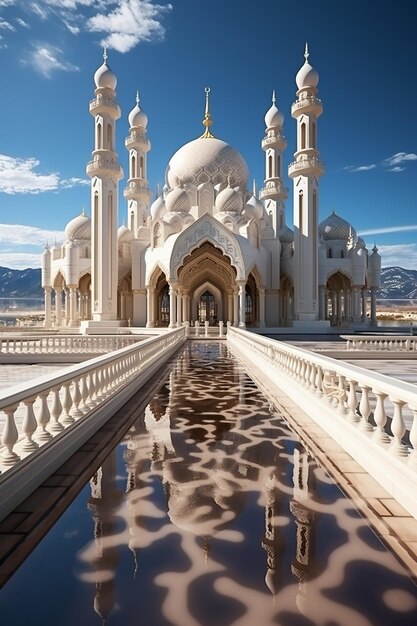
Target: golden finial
(207, 118)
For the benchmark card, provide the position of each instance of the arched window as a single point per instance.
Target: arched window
(342, 254)
(270, 167)
(303, 135)
(329, 253)
(133, 166)
(313, 134)
(99, 142)
(164, 306)
(300, 210)
(249, 308)
(109, 137)
(141, 167)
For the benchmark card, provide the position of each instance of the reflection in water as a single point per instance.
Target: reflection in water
(211, 513)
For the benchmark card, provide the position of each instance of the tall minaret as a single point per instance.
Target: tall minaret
(105, 172)
(137, 191)
(273, 144)
(305, 171)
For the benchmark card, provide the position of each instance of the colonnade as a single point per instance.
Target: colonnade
(347, 304)
(181, 305)
(67, 306)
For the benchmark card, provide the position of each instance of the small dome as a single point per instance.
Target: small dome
(307, 75)
(137, 117)
(253, 208)
(104, 77)
(286, 235)
(273, 116)
(124, 234)
(178, 201)
(78, 228)
(229, 201)
(158, 208)
(335, 227)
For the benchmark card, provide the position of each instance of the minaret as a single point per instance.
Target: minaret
(105, 172)
(137, 191)
(273, 144)
(305, 172)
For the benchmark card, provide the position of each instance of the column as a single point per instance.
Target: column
(229, 316)
(58, 307)
(322, 302)
(373, 307)
(149, 316)
(235, 320)
(242, 307)
(66, 306)
(262, 308)
(186, 307)
(172, 301)
(363, 295)
(339, 306)
(179, 308)
(47, 295)
(356, 305)
(72, 321)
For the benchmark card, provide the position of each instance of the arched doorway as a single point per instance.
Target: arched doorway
(338, 300)
(286, 301)
(207, 308)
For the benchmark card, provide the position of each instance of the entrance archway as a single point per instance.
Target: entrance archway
(207, 308)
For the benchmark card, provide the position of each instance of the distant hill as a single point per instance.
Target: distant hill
(20, 283)
(396, 283)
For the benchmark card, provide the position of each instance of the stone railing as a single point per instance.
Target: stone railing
(307, 103)
(371, 416)
(46, 422)
(63, 344)
(102, 163)
(393, 343)
(205, 330)
(311, 163)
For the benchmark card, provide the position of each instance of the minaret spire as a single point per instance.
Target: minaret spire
(306, 52)
(105, 55)
(207, 122)
(137, 97)
(273, 97)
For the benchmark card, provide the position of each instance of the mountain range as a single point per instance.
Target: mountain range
(396, 283)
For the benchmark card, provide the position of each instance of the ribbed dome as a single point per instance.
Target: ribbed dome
(124, 234)
(229, 201)
(178, 201)
(285, 234)
(78, 228)
(253, 209)
(137, 117)
(158, 208)
(335, 227)
(104, 77)
(207, 160)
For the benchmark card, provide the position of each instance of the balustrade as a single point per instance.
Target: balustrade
(398, 343)
(64, 344)
(374, 411)
(55, 402)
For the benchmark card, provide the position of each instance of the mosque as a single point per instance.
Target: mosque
(209, 248)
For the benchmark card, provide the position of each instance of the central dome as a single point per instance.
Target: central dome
(207, 160)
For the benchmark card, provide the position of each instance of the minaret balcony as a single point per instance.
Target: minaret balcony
(311, 166)
(137, 190)
(278, 142)
(102, 165)
(273, 189)
(137, 140)
(310, 104)
(100, 104)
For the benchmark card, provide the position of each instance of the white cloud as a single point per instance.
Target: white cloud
(360, 168)
(400, 157)
(403, 255)
(68, 183)
(22, 22)
(20, 260)
(389, 229)
(397, 168)
(6, 25)
(22, 235)
(40, 11)
(47, 59)
(130, 22)
(20, 176)
(72, 28)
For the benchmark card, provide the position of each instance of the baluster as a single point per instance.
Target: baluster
(313, 376)
(319, 381)
(412, 459)
(66, 405)
(341, 394)
(44, 416)
(56, 410)
(365, 409)
(398, 429)
(352, 402)
(84, 393)
(76, 399)
(29, 426)
(9, 437)
(306, 379)
(380, 418)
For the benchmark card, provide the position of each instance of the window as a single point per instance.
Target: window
(164, 306)
(303, 135)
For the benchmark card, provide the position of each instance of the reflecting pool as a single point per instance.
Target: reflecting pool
(210, 512)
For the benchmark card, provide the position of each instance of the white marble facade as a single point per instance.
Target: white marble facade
(209, 248)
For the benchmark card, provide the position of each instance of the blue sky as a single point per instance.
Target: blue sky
(364, 50)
